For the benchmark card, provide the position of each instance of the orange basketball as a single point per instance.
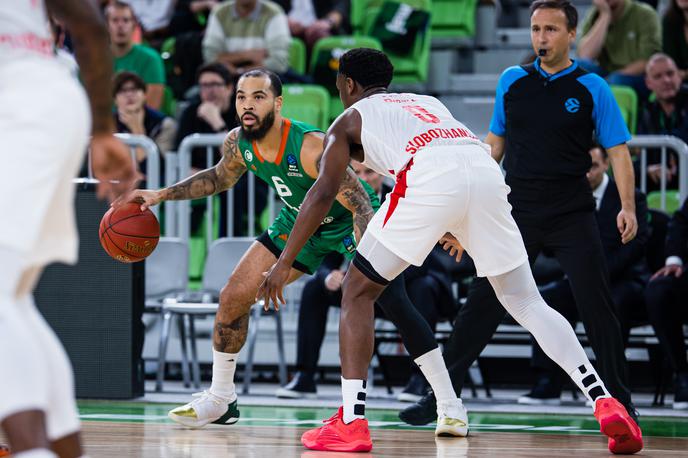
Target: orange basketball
(129, 234)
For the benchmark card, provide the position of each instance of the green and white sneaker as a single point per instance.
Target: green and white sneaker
(207, 408)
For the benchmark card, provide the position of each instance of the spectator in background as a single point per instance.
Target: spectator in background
(136, 58)
(191, 15)
(628, 274)
(245, 34)
(312, 20)
(666, 115)
(665, 297)
(134, 117)
(618, 37)
(154, 18)
(675, 34)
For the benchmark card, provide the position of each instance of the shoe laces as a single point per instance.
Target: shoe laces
(204, 396)
(333, 419)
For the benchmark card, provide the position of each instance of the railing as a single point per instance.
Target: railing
(210, 141)
(663, 142)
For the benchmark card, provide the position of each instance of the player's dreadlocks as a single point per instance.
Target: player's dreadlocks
(368, 67)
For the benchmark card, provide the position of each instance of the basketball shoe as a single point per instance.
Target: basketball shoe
(4, 450)
(625, 436)
(452, 419)
(207, 408)
(337, 436)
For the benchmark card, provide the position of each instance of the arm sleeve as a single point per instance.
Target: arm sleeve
(213, 40)
(277, 40)
(498, 122)
(610, 126)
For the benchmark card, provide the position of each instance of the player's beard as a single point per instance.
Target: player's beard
(260, 128)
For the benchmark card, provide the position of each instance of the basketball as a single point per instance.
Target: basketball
(128, 234)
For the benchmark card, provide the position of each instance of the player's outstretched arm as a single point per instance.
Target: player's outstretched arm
(208, 182)
(353, 196)
(111, 161)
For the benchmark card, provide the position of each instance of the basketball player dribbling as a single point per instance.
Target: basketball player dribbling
(44, 130)
(448, 188)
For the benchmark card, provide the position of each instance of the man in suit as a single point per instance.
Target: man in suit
(665, 298)
(627, 272)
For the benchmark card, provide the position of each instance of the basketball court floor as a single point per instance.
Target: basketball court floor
(271, 428)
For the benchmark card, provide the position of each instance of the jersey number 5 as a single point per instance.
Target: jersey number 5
(422, 114)
(282, 189)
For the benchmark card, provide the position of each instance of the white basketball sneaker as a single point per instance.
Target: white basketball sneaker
(207, 408)
(452, 419)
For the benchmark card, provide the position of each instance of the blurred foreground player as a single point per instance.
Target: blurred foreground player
(44, 125)
(448, 188)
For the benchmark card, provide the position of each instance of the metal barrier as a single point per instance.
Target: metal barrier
(152, 171)
(210, 141)
(663, 142)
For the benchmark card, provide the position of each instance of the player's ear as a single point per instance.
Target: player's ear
(350, 85)
(279, 100)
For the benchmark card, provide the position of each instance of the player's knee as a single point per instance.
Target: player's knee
(235, 301)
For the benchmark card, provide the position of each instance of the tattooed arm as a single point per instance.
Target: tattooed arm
(208, 182)
(353, 196)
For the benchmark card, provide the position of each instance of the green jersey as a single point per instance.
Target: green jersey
(291, 183)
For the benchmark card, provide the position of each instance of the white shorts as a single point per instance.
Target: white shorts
(44, 128)
(456, 189)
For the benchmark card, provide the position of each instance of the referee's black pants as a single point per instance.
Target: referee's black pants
(574, 239)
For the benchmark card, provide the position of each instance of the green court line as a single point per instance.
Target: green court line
(123, 411)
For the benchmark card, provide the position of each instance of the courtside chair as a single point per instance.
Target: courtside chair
(453, 18)
(223, 256)
(309, 103)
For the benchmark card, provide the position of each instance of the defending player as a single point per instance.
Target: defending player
(286, 153)
(44, 129)
(447, 187)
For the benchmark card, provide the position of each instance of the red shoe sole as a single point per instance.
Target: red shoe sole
(622, 439)
(355, 446)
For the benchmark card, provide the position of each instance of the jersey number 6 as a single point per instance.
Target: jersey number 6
(282, 189)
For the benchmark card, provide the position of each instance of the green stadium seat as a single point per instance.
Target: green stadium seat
(412, 67)
(297, 55)
(453, 18)
(628, 102)
(325, 63)
(673, 203)
(309, 103)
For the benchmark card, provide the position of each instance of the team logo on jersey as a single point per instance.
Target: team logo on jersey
(328, 220)
(572, 105)
(349, 244)
(248, 155)
(293, 167)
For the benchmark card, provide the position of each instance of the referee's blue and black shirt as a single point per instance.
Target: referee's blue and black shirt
(548, 121)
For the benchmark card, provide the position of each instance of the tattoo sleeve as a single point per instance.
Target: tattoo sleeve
(353, 196)
(86, 26)
(211, 181)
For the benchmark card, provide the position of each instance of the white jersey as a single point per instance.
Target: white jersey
(24, 30)
(396, 126)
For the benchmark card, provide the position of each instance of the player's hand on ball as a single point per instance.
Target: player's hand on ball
(450, 243)
(146, 197)
(273, 285)
(113, 166)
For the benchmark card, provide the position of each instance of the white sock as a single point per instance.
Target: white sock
(35, 453)
(434, 369)
(354, 396)
(224, 365)
(587, 380)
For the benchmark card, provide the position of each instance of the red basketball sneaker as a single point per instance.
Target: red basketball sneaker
(337, 436)
(624, 434)
(4, 450)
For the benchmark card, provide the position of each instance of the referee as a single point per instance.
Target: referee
(543, 123)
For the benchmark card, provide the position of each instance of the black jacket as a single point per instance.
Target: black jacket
(625, 262)
(677, 234)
